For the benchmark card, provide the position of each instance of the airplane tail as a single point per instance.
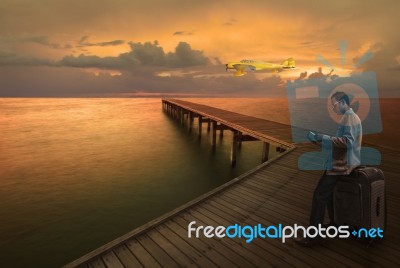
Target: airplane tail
(289, 63)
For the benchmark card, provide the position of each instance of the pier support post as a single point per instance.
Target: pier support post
(182, 116)
(214, 133)
(208, 124)
(190, 121)
(265, 152)
(200, 125)
(221, 132)
(234, 147)
(240, 140)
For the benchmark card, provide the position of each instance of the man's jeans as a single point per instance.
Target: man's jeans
(323, 197)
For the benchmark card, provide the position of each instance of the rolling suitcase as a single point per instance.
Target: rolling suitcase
(359, 199)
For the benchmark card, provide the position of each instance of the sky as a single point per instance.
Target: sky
(79, 48)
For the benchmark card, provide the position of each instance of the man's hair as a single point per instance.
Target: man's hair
(339, 95)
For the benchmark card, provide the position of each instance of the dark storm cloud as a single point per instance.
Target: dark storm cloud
(141, 54)
(146, 54)
(185, 56)
(64, 82)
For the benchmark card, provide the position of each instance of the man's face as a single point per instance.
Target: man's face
(336, 105)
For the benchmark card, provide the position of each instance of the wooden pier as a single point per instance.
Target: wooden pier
(275, 192)
(243, 127)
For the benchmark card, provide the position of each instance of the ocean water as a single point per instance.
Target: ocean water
(78, 173)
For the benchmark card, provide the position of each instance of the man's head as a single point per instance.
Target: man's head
(340, 102)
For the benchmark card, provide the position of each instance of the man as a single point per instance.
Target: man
(344, 156)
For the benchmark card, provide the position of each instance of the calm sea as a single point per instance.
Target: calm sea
(78, 173)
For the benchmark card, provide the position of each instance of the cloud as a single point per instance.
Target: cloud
(23, 81)
(183, 33)
(230, 22)
(146, 54)
(385, 65)
(141, 54)
(382, 57)
(14, 59)
(185, 56)
(83, 42)
(44, 41)
(89, 61)
(35, 39)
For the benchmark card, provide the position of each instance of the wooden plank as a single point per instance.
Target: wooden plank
(216, 245)
(111, 260)
(234, 244)
(175, 253)
(290, 215)
(277, 249)
(141, 254)
(126, 257)
(293, 208)
(185, 247)
(313, 259)
(206, 250)
(252, 248)
(334, 257)
(282, 197)
(296, 192)
(97, 263)
(156, 251)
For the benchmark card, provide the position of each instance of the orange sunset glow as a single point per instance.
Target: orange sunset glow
(134, 46)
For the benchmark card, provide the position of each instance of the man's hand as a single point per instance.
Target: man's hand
(314, 136)
(318, 137)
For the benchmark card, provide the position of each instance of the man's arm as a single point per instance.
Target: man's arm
(338, 142)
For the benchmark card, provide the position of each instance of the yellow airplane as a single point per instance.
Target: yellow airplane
(252, 65)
